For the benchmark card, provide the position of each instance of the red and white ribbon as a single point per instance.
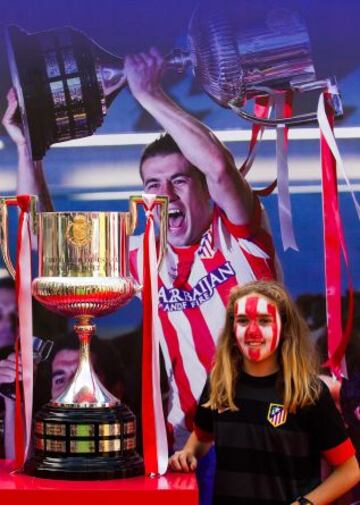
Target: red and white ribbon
(334, 241)
(262, 109)
(154, 431)
(283, 108)
(327, 131)
(24, 306)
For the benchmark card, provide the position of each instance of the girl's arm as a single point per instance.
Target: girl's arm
(186, 459)
(343, 478)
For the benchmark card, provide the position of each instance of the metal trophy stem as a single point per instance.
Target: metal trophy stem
(85, 433)
(85, 389)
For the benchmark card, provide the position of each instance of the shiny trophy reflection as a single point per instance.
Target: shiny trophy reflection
(85, 433)
(65, 82)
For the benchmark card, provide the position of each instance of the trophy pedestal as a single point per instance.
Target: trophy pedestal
(172, 488)
(84, 444)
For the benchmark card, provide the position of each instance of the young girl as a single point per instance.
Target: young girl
(269, 415)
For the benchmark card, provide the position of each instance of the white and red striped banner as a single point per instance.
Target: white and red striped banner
(153, 420)
(23, 410)
(334, 241)
(283, 106)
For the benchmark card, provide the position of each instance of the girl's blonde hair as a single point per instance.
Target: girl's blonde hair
(298, 364)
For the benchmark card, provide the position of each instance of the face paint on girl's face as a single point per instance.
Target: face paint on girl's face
(257, 327)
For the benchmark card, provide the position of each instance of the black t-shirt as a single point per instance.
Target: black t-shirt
(264, 455)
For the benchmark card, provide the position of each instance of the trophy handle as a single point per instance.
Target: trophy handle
(163, 202)
(4, 236)
(4, 232)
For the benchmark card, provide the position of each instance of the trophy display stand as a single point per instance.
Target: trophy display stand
(173, 488)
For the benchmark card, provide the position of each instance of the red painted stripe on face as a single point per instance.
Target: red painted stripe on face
(272, 311)
(253, 331)
(251, 306)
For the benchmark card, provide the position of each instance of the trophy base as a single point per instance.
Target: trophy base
(84, 444)
(83, 468)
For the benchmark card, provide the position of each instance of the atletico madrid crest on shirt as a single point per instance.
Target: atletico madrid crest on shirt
(277, 415)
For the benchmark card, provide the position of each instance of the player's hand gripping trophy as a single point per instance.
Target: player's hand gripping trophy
(85, 433)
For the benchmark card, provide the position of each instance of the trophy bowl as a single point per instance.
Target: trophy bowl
(84, 433)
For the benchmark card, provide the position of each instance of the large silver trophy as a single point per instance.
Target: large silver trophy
(246, 48)
(85, 433)
(238, 50)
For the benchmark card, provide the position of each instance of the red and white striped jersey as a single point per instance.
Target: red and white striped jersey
(194, 284)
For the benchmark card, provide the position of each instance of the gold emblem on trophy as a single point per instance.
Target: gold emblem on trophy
(79, 231)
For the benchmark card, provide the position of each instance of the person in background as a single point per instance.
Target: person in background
(268, 413)
(217, 237)
(106, 361)
(30, 176)
(56, 373)
(8, 311)
(8, 326)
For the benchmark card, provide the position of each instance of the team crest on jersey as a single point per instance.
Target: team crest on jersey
(277, 415)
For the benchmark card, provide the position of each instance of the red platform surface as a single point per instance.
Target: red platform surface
(170, 489)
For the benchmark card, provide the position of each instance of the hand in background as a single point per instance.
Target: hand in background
(11, 119)
(143, 72)
(8, 370)
(30, 175)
